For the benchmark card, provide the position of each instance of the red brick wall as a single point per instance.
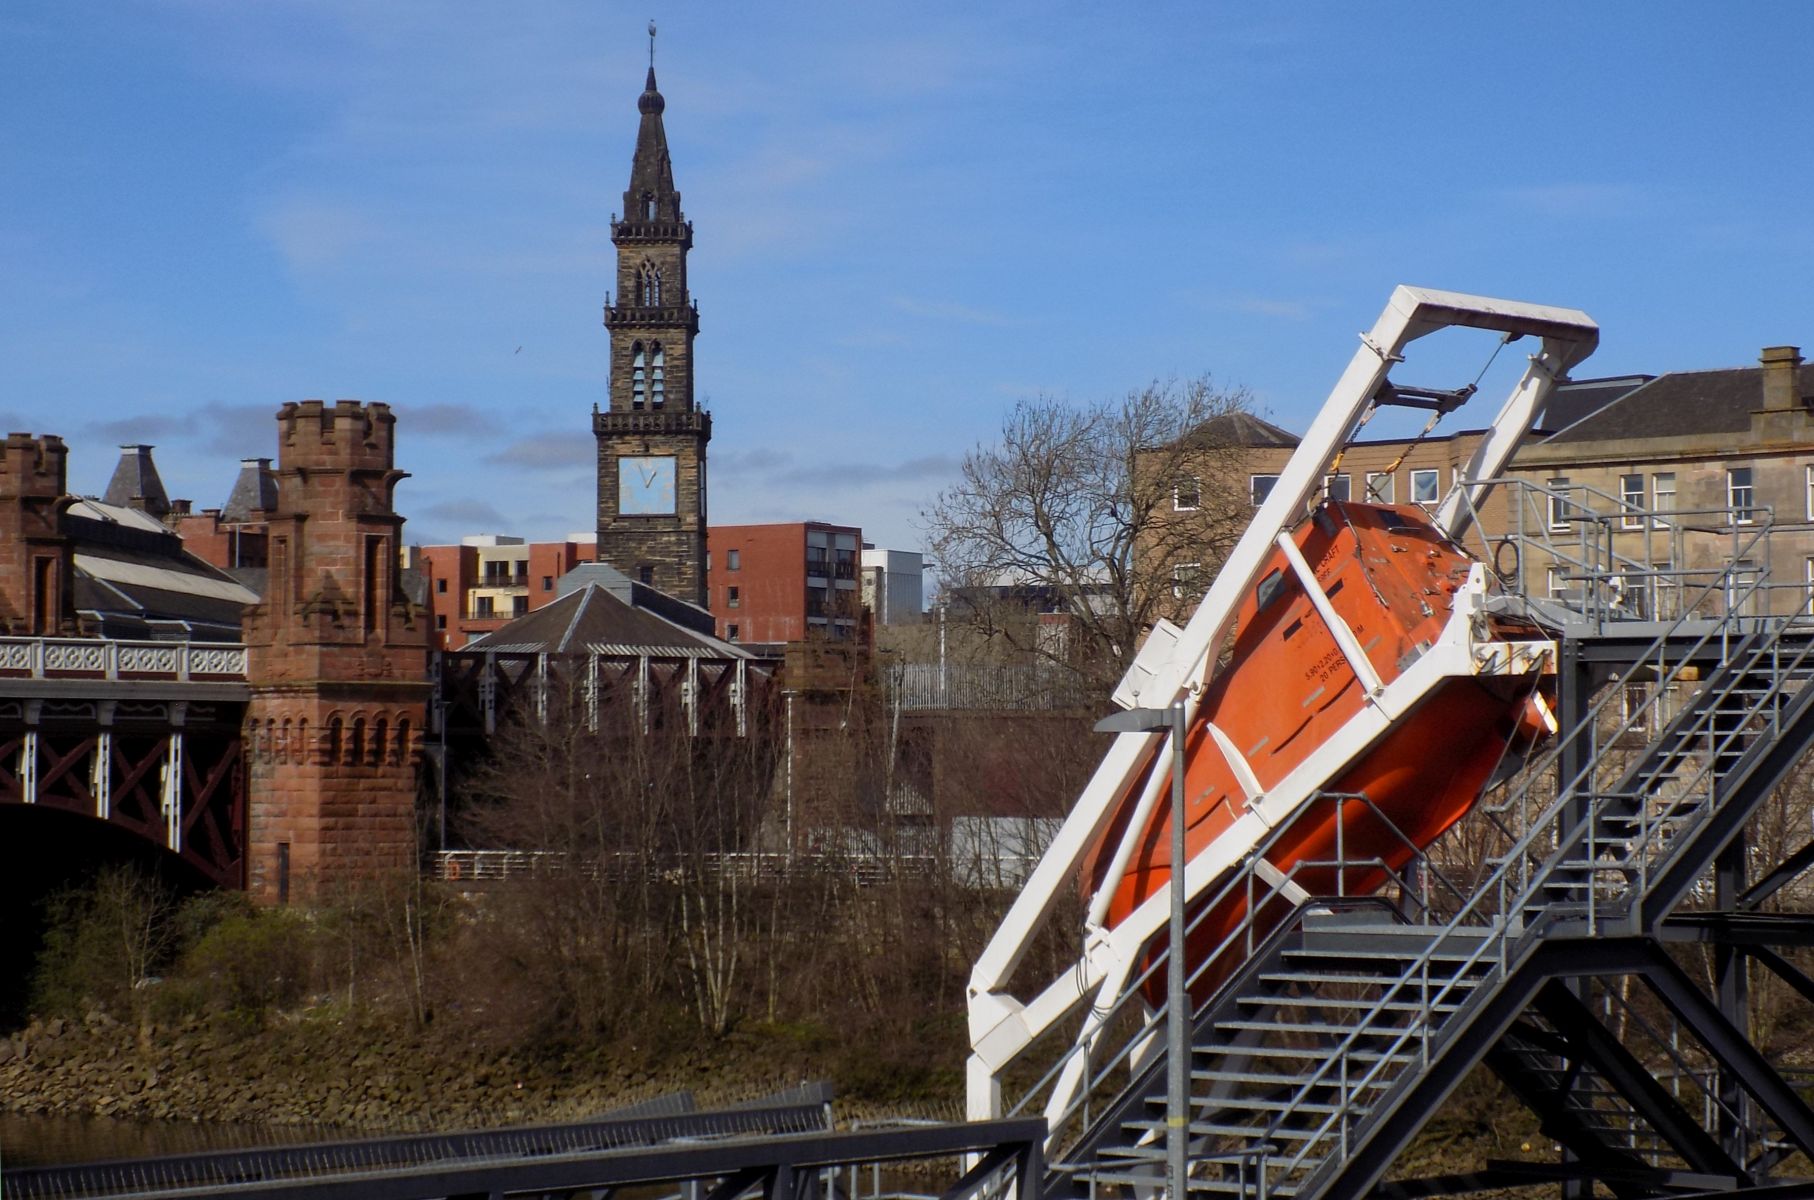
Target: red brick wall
(770, 580)
(335, 654)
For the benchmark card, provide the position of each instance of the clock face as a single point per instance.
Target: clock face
(645, 485)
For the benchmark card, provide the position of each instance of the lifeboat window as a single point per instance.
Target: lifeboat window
(1392, 521)
(1269, 590)
(1292, 628)
(1333, 588)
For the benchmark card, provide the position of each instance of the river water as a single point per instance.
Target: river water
(34, 1141)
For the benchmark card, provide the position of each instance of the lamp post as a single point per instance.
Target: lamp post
(1177, 1016)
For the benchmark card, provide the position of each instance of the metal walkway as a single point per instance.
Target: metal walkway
(782, 1146)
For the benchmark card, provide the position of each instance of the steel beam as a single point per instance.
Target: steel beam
(1731, 1048)
(1615, 1064)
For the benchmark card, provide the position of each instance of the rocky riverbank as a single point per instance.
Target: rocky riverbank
(370, 1077)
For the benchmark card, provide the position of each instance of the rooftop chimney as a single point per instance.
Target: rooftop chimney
(1782, 376)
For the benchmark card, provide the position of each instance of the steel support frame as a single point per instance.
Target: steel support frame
(1595, 1044)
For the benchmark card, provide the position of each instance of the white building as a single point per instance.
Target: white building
(893, 587)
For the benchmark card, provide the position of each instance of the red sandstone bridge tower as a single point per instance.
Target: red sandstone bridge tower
(337, 662)
(36, 562)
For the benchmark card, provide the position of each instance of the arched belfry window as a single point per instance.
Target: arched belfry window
(648, 206)
(638, 383)
(648, 280)
(657, 384)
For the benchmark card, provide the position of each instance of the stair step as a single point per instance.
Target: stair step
(1309, 1053)
(1156, 1180)
(1406, 1001)
(1348, 977)
(1321, 1108)
(1282, 1133)
(1296, 1080)
(1374, 1031)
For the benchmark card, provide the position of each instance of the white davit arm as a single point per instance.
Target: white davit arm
(997, 1020)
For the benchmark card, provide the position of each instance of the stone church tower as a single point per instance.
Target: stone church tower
(337, 660)
(652, 439)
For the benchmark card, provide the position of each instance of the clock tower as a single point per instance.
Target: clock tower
(652, 437)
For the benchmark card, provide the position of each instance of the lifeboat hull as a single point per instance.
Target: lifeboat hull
(1285, 691)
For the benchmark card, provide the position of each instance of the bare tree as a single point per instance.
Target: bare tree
(643, 822)
(1085, 523)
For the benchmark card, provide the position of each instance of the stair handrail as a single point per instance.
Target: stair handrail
(1263, 891)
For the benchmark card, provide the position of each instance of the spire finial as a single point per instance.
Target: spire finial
(651, 45)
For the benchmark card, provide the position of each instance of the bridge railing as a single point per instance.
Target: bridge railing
(102, 658)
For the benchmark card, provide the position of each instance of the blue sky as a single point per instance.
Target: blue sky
(906, 216)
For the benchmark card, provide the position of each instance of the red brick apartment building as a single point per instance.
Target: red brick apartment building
(784, 583)
(486, 580)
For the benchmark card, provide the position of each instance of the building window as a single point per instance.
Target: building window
(844, 565)
(732, 598)
(637, 382)
(481, 607)
(1662, 497)
(1631, 501)
(1740, 495)
(441, 621)
(519, 606)
(1559, 508)
(658, 390)
(1426, 486)
(1741, 584)
(1187, 494)
(733, 560)
(1184, 580)
(646, 574)
(1809, 492)
(816, 560)
(1259, 487)
(648, 206)
(650, 279)
(547, 583)
(730, 633)
(1338, 487)
(1809, 578)
(441, 587)
(1379, 487)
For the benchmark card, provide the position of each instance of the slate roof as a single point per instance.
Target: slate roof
(1680, 404)
(1581, 398)
(1240, 429)
(254, 490)
(133, 579)
(594, 617)
(136, 478)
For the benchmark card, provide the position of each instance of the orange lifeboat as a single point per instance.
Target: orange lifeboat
(1287, 689)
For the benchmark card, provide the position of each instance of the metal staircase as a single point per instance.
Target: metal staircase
(1343, 1028)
